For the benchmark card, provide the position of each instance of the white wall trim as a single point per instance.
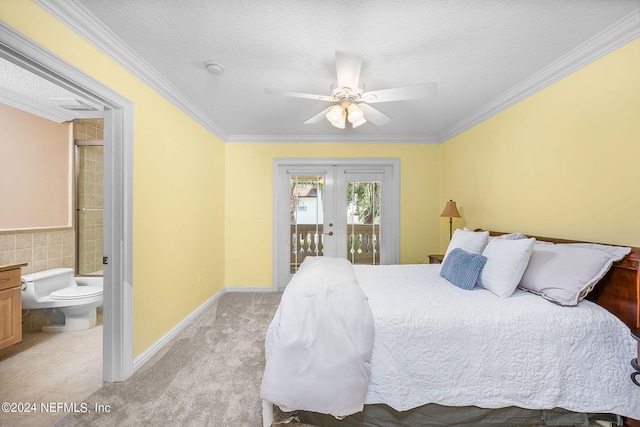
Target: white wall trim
(332, 139)
(82, 21)
(146, 355)
(277, 183)
(166, 338)
(612, 38)
(76, 16)
(118, 189)
(37, 108)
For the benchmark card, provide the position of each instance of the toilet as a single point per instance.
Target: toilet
(67, 305)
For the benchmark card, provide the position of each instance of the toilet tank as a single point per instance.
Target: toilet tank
(45, 282)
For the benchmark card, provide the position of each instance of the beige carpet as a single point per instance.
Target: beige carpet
(209, 375)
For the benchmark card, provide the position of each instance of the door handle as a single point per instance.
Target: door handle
(329, 233)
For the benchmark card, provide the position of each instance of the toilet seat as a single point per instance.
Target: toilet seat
(78, 292)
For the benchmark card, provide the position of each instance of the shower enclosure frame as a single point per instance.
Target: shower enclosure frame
(80, 209)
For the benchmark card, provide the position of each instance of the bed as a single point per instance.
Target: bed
(403, 345)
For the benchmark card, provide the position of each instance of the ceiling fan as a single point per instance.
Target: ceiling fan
(351, 101)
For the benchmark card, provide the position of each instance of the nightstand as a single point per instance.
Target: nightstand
(435, 259)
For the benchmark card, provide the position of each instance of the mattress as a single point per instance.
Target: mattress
(436, 343)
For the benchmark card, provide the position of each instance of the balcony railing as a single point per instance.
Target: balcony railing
(362, 240)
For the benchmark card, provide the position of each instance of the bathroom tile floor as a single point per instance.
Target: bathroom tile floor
(50, 369)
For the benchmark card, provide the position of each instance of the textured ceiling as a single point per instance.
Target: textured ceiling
(476, 52)
(22, 89)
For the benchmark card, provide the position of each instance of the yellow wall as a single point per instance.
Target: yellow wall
(248, 248)
(563, 163)
(178, 179)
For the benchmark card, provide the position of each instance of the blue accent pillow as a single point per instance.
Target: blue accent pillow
(462, 268)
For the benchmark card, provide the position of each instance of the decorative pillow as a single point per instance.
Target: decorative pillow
(506, 262)
(470, 241)
(462, 268)
(565, 273)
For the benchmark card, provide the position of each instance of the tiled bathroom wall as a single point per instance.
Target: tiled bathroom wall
(44, 249)
(41, 249)
(88, 129)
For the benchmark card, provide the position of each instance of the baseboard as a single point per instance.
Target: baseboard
(139, 361)
(146, 355)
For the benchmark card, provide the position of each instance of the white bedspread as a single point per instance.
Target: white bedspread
(436, 343)
(320, 342)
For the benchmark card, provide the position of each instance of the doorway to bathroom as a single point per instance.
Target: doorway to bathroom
(89, 174)
(118, 189)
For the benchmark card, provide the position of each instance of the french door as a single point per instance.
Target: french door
(346, 208)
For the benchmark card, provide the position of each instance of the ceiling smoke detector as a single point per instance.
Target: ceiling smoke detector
(213, 67)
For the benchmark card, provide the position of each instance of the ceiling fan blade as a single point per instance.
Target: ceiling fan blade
(422, 91)
(298, 95)
(348, 69)
(318, 117)
(374, 116)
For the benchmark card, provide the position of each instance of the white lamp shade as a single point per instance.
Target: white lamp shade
(334, 114)
(340, 123)
(355, 113)
(359, 122)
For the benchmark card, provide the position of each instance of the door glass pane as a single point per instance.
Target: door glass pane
(363, 222)
(306, 218)
(89, 209)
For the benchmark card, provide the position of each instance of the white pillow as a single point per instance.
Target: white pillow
(512, 236)
(470, 241)
(616, 252)
(563, 273)
(506, 263)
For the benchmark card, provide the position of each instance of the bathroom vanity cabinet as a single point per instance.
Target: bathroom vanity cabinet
(10, 306)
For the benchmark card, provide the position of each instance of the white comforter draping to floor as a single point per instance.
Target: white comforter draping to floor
(320, 348)
(436, 343)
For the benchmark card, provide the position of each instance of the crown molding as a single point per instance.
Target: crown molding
(82, 21)
(77, 17)
(615, 36)
(329, 139)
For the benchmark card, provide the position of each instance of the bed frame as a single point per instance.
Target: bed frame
(618, 292)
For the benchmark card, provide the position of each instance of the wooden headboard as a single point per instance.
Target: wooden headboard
(619, 290)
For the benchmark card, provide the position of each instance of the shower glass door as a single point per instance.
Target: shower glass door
(89, 174)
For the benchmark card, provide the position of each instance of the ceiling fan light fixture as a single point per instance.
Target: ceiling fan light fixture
(355, 114)
(335, 113)
(340, 123)
(358, 123)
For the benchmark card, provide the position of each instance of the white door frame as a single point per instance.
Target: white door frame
(118, 191)
(319, 164)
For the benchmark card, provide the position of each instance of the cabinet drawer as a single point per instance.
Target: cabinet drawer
(10, 278)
